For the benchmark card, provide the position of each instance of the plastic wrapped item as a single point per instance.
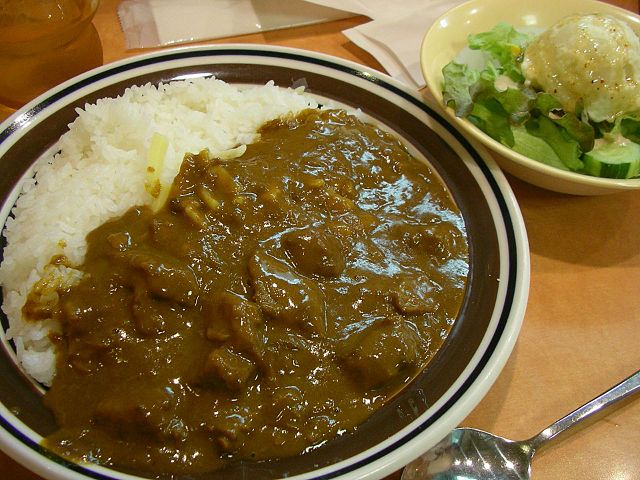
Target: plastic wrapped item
(155, 23)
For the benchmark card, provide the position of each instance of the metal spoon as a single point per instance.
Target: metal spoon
(470, 454)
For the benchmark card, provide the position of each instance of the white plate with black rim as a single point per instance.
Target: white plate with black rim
(481, 339)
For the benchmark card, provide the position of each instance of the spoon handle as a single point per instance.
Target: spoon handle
(622, 390)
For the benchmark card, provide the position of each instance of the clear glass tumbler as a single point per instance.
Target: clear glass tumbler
(43, 43)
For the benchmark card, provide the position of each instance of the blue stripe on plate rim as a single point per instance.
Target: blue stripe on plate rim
(515, 289)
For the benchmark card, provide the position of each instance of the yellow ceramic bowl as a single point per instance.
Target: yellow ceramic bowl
(448, 36)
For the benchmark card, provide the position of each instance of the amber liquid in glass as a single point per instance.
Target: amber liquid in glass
(43, 43)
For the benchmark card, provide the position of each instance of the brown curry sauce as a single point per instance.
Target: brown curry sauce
(274, 303)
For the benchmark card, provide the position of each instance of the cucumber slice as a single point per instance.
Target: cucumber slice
(613, 160)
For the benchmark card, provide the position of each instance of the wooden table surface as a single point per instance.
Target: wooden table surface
(581, 330)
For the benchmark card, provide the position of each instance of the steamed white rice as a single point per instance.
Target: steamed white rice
(99, 173)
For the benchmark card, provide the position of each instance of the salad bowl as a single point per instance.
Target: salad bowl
(448, 37)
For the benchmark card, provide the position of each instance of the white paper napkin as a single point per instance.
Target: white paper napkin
(376, 9)
(395, 34)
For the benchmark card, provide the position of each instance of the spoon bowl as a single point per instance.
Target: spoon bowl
(471, 454)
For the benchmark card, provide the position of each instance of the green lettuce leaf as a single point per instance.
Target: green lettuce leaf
(536, 148)
(489, 116)
(456, 92)
(464, 86)
(627, 126)
(581, 132)
(630, 127)
(517, 102)
(505, 45)
(566, 148)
